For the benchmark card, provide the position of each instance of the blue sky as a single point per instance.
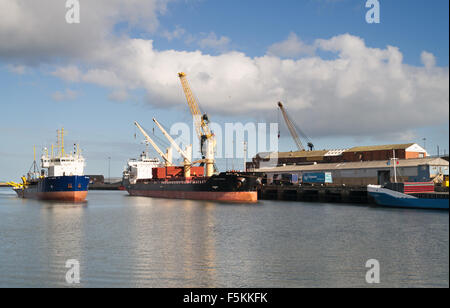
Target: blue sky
(99, 99)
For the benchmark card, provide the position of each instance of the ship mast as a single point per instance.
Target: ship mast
(60, 142)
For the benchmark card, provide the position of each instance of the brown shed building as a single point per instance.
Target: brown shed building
(384, 152)
(355, 154)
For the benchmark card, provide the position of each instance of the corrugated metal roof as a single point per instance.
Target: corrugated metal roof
(296, 154)
(381, 147)
(337, 152)
(302, 154)
(360, 165)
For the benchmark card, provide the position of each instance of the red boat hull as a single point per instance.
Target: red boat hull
(234, 197)
(66, 196)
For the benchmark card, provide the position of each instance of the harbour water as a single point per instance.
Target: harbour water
(123, 241)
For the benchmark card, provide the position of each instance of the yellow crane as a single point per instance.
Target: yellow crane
(201, 122)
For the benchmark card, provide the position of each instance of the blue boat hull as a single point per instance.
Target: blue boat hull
(62, 188)
(385, 197)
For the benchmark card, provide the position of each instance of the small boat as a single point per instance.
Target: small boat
(392, 197)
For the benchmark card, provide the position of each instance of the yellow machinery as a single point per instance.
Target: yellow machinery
(201, 122)
(14, 185)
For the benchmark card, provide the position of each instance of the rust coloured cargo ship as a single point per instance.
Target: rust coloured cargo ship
(224, 187)
(194, 182)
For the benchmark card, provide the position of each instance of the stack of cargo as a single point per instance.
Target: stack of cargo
(317, 178)
(197, 171)
(418, 187)
(159, 173)
(175, 172)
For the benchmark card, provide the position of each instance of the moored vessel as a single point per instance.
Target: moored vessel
(137, 169)
(61, 177)
(224, 187)
(202, 182)
(395, 196)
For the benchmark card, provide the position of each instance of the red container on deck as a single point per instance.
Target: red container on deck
(197, 171)
(418, 187)
(174, 171)
(159, 173)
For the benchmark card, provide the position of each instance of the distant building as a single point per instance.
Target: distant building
(370, 172)
(383, 152)
(96, 179)
(355, 154)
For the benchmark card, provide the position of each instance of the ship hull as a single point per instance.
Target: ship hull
(64, 188)
(388, 198)
(231, 188)
(238, 197)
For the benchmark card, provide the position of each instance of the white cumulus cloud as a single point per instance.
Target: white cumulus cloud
(292, 47)
(212, 41)
(67, 95)
(428, 59)
(362, 91)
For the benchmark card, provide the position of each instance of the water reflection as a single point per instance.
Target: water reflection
(124, 241)
(62, 236)
(174, 242)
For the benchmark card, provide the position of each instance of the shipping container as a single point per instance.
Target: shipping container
(317, 177)
(291, 178)
(159, 173)
(197, 171)
(174, 171)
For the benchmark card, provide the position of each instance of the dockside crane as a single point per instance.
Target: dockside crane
(167, 157)
(293, 130)
(187, 155)
(201, 121)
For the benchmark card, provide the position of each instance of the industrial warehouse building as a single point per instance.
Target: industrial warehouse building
(384, 152)
(355, 154)
(356, 166)
(370, 172)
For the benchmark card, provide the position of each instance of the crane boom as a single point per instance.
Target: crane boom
(204, 133)
(291, 127)
(200, 121)
(157, 149)
(174, 144)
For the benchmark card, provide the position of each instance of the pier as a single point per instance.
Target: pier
(333, 194)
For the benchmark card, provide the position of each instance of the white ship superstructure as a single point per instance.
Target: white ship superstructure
(62, 163)
(141, 168)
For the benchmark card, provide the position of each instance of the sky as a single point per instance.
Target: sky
(345, 82)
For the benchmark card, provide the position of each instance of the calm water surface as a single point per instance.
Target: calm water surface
(123, 241)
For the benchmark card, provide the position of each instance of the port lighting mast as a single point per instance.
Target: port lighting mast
(167, 157)
(201, 122)
(293, 130)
